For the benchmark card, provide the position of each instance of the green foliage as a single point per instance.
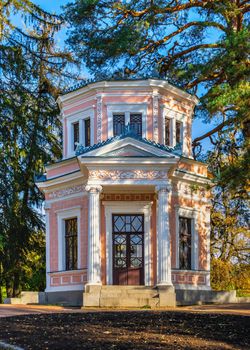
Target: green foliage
(202, 46)
(32, 74)
(227, 276)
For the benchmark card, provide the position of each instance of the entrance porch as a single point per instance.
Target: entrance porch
(131, 259)
(128, 218)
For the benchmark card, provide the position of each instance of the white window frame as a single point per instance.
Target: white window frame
(79, 117)
(127, 109)
(192, 214)
(173, 116)
(63, 215)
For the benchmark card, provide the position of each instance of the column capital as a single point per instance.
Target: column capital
(163, 188)
(93, 188)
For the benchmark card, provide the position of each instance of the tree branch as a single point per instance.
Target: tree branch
(164, 10)
(180, 30)
(213, 131)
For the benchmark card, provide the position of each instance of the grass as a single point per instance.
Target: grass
(243, 293)
(4, 294)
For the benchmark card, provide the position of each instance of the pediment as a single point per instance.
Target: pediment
(127, 151)
(128, 147)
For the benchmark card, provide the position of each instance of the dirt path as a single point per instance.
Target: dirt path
(173, 329)
(16, 310)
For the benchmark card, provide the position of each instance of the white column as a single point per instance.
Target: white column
(94, 241)
(163, 238)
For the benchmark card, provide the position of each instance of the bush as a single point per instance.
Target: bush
(227, 276)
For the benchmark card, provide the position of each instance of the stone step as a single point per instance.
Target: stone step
(128, 302)
(129, 292)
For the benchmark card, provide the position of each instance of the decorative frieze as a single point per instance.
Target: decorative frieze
(66, 192)
(155, 115)
(99, 117)
(185, 189)
(128, 196)
(127, 174)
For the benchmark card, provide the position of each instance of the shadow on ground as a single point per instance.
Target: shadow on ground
(128, 330)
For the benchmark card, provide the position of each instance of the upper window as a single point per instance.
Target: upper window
(178, 132)
(185, 243)
(118, 124)
(75, 134)
(80, 132)
(71, 244)
(167, 132)
(136, 123)
(121, 120)
(87, 132)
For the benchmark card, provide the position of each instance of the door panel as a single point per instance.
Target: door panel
(128, 248)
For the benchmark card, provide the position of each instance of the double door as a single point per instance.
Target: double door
(128, 249)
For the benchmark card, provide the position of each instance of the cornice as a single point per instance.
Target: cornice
(145, 83)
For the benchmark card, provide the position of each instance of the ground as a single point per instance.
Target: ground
(208, 327)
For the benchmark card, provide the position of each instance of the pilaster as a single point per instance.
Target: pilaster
(94, 245)
(163, 237)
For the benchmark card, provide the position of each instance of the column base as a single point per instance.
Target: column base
(91, 295)
(167, 295)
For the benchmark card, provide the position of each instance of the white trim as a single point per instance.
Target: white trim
(174, 116)
(61, 216)
(67, 288)
(88, 113)
(129, 141)
(127, 109)
(76, 195)
(192, 214)
(192, 286)
(129, 84)
(143, 207)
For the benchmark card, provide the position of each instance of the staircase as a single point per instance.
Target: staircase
(129, 296)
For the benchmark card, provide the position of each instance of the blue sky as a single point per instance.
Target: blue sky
(54, 6)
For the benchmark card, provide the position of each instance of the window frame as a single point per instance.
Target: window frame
(67, 238)
(80, 117)
(63, 215)
(174, 117)
(192, 214)
(189, 220)
(127, 109)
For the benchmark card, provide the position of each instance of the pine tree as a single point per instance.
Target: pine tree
(202, 46)
(32, 75)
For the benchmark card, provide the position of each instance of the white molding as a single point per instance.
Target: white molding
(191, 286)
(68, 288)
(61, 180)
(61, 217)
(88, 113)
(192, 214)
(127, 109)
(76, 195)
(59, 211)
(112, 207)
(129, 141)
(146, 83)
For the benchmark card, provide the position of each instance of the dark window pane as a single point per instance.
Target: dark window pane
(118, 124)
(178, 137)
(185, 236)
(75, 134)
(87, 132)
(136, 123)
(167, 132)
(71, 244)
